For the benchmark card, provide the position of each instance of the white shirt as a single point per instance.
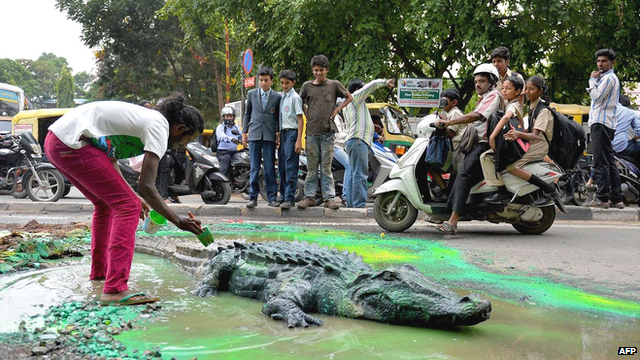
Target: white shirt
(122, 130)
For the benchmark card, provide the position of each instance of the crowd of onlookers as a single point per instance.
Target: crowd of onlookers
(274, 120)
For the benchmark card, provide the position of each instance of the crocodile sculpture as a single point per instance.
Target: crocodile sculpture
(294, 279)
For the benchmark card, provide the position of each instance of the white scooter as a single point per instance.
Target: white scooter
(399, 199)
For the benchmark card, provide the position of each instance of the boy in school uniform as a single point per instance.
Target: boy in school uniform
(291, 126)
(320, 95)
(260, 129)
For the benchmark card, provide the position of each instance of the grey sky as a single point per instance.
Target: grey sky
(31, 27)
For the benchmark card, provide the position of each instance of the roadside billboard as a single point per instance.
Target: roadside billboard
(419, 92)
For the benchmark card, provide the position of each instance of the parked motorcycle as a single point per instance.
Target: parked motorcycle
(629, 180)
(202, 176)
(381, 161)
(399, 199)
(21, 159)
(572, 186)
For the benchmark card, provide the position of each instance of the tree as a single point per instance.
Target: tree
(46, 72)
(432, 38)
(65, 93)
(141, 55)
(82, 85)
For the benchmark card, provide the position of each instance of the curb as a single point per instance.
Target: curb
(318, 213)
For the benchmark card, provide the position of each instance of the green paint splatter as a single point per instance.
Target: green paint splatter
(440, 263)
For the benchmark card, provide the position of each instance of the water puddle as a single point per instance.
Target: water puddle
(552, 322)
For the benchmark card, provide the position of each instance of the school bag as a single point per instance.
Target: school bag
(507, 152)
(214, 140)
(438, 149)
(569, 138)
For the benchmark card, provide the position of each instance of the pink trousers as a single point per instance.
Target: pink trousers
(116, 213)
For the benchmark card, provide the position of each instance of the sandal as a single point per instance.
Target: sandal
(141, 298)
(447, 228)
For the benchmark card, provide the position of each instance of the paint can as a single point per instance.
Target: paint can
(153, 222)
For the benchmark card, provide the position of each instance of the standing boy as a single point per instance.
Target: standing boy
(359, 138)
(320, 95)
(261, 123)
(604, 90)
(500, 58)
(291, 126)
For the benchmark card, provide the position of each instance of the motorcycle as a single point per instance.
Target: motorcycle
(21, 160)
(572, 186)
(399, 199)
(629, 179)
(202, 176)
(381, 161)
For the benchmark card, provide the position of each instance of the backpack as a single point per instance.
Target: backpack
(438, 150)
(507, 152)
(569, 138)
(214, 140)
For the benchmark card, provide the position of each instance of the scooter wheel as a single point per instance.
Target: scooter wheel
(400, 218)
(537, 228)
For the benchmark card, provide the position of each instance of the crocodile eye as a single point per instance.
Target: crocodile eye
(465, 299)
(388, 276)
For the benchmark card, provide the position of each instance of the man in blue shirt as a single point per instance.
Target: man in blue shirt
(604, 90)
(625, 140)
(227, 141)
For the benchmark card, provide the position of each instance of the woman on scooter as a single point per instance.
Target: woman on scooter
(540, 123)
(84, 145)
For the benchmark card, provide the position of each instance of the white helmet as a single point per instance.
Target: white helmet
(228, 110)
(488, 69)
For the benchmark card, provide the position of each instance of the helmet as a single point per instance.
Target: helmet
(228, 110)
(488, 69)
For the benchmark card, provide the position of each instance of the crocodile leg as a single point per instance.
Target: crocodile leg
(285, 306)
(217, 276)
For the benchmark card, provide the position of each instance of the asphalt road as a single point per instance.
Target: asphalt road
(599, 257)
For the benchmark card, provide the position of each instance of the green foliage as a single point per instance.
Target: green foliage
(153, 47)
(65, 90)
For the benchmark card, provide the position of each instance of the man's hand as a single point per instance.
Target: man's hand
(595, 74)
(144, 211)
(190, 225)
(391, 83)
(492, 143)
(443, 123)
(298, 146)
(245, 136)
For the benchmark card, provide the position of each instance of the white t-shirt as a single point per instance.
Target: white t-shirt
(122, 130)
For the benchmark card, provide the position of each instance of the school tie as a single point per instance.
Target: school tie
(264, 100)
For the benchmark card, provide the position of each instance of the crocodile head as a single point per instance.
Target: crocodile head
(405, 296)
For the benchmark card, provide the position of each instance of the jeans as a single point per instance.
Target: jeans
(116, 209)
(358, 152)
(224, 158)
(469, 173)
(341, 155)
(288, 160)
(319, 154)
(605, 174)
(164, 175)
(259, 150)
(632, 148)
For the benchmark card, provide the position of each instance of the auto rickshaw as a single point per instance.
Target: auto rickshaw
(36, 122)
(395, 125)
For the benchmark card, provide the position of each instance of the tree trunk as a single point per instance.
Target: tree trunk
(218, 75)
